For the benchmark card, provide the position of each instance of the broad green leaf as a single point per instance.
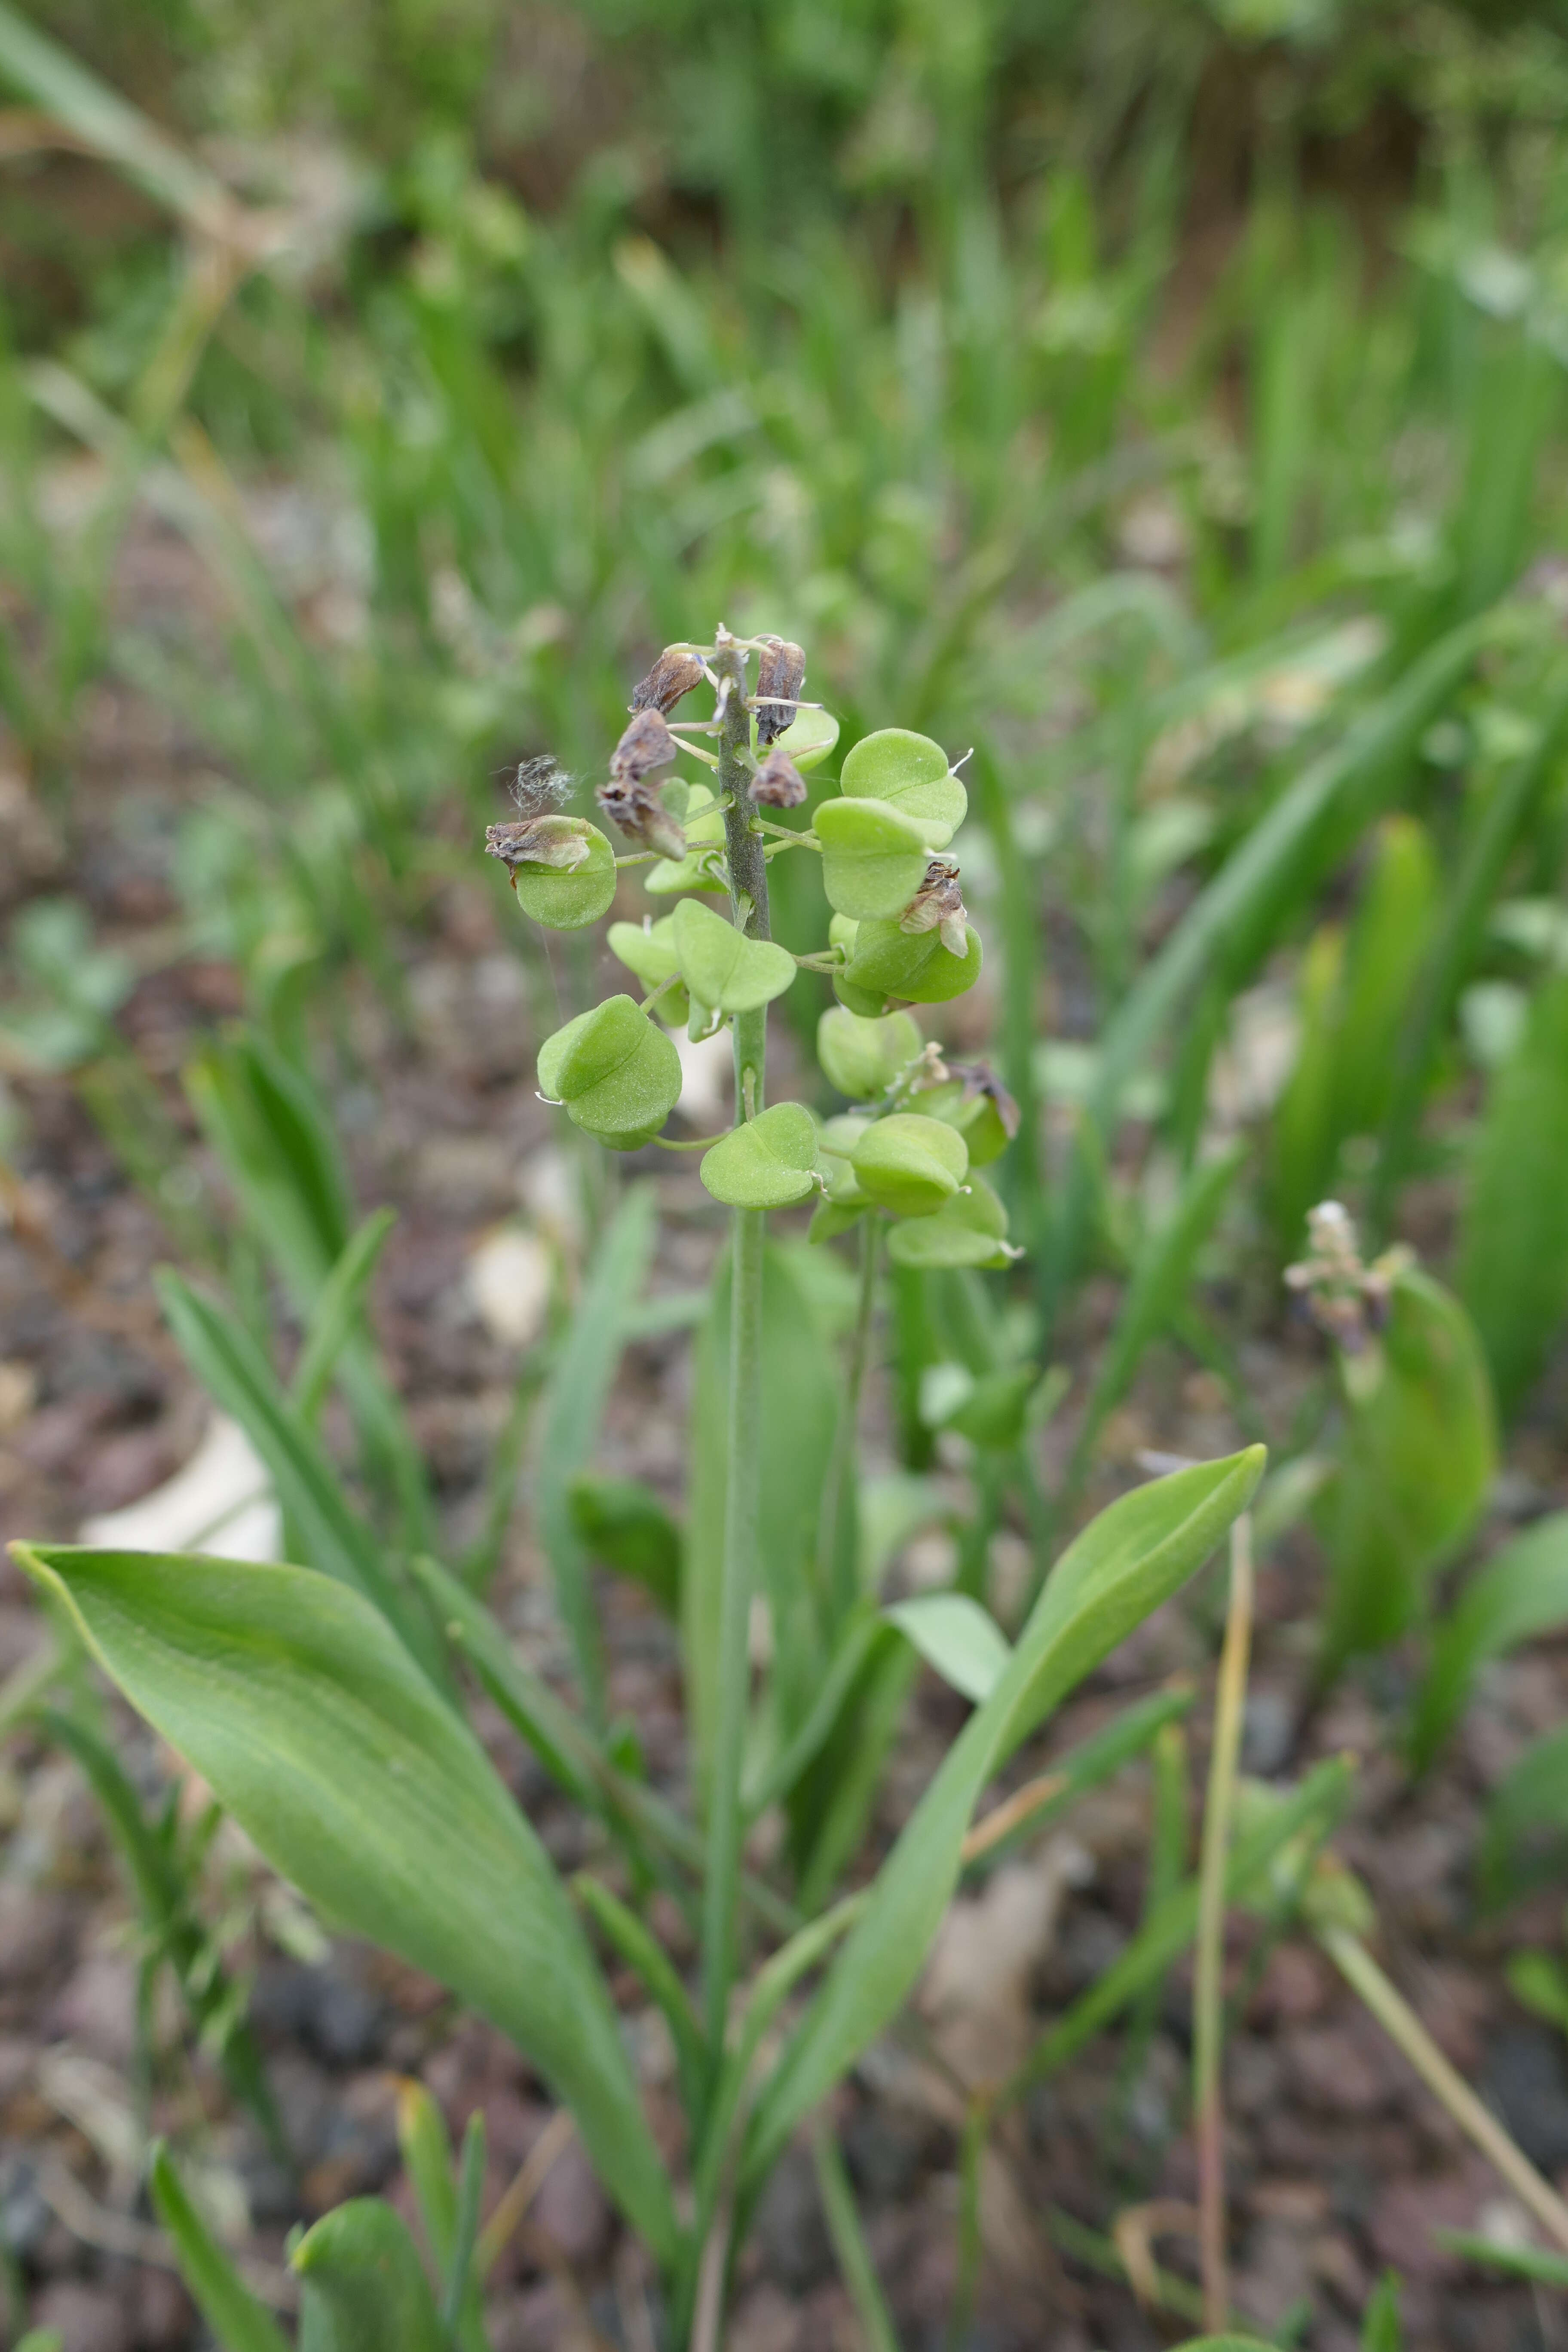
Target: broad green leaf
(914, 965)
(1123, 1565)
(1513, 1231)
(955, 1635)
(873, 860)
(909, 774)
(364, 2286)
(238, 1378)
(617, 1072)
(648, 949)
(239, 2323)
(767, 1162)
(568, 1431)
(861, 1057)
(721, 967)
(622, 1523)
(297, 1706)
(1419, 1453)
(969, 1229)
(809, 739)
(1520, 1593)
(565, 901)
(910, 1164)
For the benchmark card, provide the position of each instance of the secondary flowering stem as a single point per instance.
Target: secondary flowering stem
(1208, 1989)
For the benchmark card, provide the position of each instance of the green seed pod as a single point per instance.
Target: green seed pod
(970, 1229)
(835, 1148)
(862, 1057)
(915, 966)
(909, 774)
(721, 967)
(617, 1072)
(572, 880)
(911, 1165)
(809, 739)
(831, 1218)
(979, 1106)
(768, 1163)
(704, 834)
(648, 949)
(873, 859)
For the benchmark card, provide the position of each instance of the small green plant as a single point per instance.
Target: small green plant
(320, 1704)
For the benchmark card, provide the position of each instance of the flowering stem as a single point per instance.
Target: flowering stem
(1208, 1989)
(726, 1820)
(835, 1562)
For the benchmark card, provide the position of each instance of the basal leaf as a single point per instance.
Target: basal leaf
(1420, 1451)
(292, 1698)
(955, 1635)
(238, 2322)
(1123, 1565)
(365, 2288)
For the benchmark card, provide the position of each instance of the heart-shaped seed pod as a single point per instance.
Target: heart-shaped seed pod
(973, 1100)
(769, 1162)
(873, 860)
(911, 773)
(861, 1057)
(914, 965)
(910, 1164)
(616, 1071)
(562, 869)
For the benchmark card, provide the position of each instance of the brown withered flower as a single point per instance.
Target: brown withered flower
(778, 782)
(1345, 1298)
(980, 1079)
(781, 673)
(646, 744)
(938, 905)
(675, 673)
(558, 841)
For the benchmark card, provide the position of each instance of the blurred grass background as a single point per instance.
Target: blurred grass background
(1139, 392)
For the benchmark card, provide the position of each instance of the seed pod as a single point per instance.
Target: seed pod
(778, 782)
(938, 905)
(646, 744)
(915, 966)
(861, 1057)
(619, 1076)
(910, 1164)
(781, 673)
(973, 1100)
(642, 817)
(675, 673)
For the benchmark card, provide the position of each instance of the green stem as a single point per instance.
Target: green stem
(726, 1818)
(836, 1566)
(1208, 1989)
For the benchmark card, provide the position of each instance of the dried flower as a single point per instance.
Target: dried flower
(675, 673)
(646, 744)
(938, 905)
(561, 843)
(1344, 1297)
(981, 1083)
(778, 782)
(642, 817)
(781, 673)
